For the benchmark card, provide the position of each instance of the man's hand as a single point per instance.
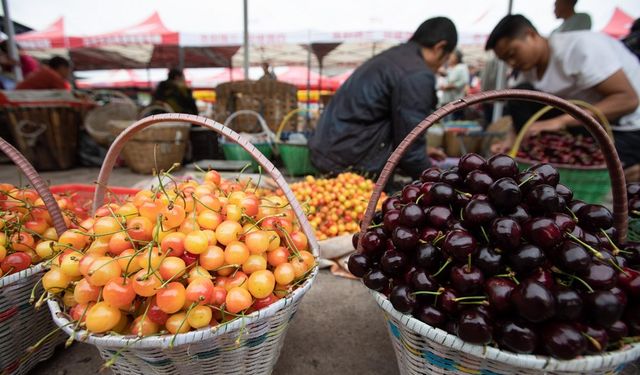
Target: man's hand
(551, 125)
(436, 153)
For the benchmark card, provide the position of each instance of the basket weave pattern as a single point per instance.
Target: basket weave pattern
(248, 345)
(21, 325)
(422, 349)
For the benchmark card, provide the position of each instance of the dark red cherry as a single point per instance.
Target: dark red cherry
(412, 216)
(431, 175)
(505, 194)
(603, 307)
(517, 336)
(478, 182)
(573, 257)
(543, 276)
(618, 330)
(372, 242)
(430, 315)
(452, 178)
(439, 216)
(505, 233)
(459, 244)
(594, 217)
(410, 193)
(534, 302)
(549, 173)
(376, 280)
(527, 180)
(474, 327)
(441, 194)
(488, 260)
(478, 213)
(569, 304)
(405, 239)
(466, 280)
(402, 299)
(391, 203)
(421, 281)
(393, 263)
(470, 162)
(576, 205)
(498, 290)
(564, 192)
(428, 234)
(501, 165)
(391, 220)
(564, 222)
(543, 232)
(526, 259)
(359, 264)
(519, 214)
(563, 340)
(543, 199)
(600, 276)
(428, 256)
(597, 338)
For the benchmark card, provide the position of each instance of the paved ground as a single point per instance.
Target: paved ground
(337, 329)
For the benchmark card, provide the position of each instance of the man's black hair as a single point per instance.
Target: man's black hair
(58, 61)
(459, 55)
(435, 30)
(174, 73)
(510, 27)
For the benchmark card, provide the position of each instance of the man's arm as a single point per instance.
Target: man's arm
(618, 99)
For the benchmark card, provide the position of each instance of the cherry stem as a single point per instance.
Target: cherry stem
(587, 246)
(469, 263)
(484, 234)
(635, 212)
(470, 298)
(573, 277)
(438, 239)
(419, 197)
(449, 260)
(439, 292)
(616, 249)
(484, 303)
(463, 193)
(575, 218)
(373, 226)
(593, 341)
(616, 266)
(630, 339)
(533, 174)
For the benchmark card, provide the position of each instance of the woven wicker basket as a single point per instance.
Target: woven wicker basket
(588, 183)
(422, 349)
(21, 325)
(244, 346)
(119, 107)
(155, 148)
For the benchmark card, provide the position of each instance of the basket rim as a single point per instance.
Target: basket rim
(601, 167)
(15, 277)
(164, 341)
(628, 354)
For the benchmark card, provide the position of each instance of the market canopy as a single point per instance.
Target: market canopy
(619, 24)
(150, 31)
(53, 36)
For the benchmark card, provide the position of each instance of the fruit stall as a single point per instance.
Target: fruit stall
(496, 265)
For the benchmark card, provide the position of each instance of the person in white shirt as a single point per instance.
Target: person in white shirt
(583, 65)
(457, 81)
(565, 9)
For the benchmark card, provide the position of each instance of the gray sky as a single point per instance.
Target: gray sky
(92, 16)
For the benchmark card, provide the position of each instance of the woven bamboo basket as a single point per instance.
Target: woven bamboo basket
(156, 148)
(119, 107)
(295, 156)
(21, 325)
(250, 345)
(422, 349)
(588, 183)
(262, 140)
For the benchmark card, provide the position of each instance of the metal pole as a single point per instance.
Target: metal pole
(246, 40)
(308, 85)
(13, 48)
(501, 80)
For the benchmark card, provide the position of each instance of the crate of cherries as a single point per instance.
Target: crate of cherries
(504, 258)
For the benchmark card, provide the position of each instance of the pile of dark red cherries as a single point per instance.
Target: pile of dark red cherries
(562, 148)
(504, 258)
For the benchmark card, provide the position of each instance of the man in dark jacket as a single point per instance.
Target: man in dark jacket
(381, 102)
(175, 92)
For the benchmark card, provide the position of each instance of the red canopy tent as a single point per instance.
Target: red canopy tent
(619, 24)
(53, 36)
(150, 31)
(297, 75)
(121, 78)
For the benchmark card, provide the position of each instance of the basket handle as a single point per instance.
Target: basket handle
(263, 123)
(128, 133)
(287, 118)
(614, 166)
(163, 106)
(38, 183)
(580, 103)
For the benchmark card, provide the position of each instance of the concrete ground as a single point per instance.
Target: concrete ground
(338, 328)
